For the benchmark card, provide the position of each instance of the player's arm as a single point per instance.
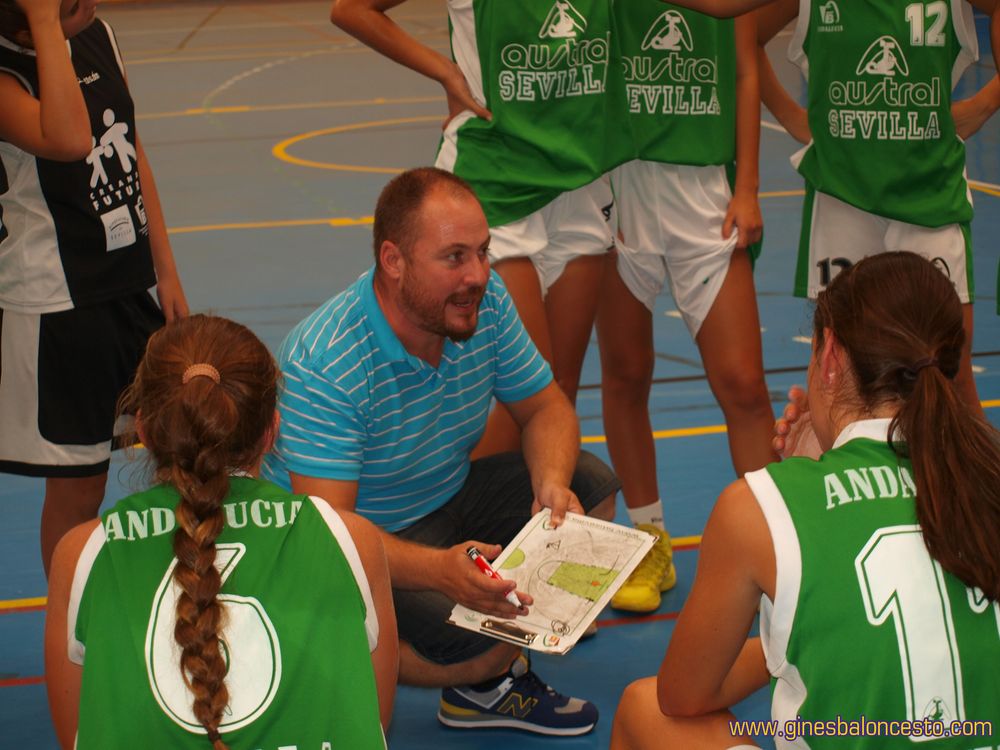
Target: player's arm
(550, 441)
(56, 124)
(168, 282)
(720, 8)
(710, 664)
(744, 208)
(62, 676)
(972, 113)
(367, 21)
(416, 567)
(792, 116)
(169, 291)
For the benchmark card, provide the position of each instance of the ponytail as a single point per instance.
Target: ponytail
(899, 320)
(205, 394)
(956, 467)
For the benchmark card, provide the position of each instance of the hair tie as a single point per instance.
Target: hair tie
(910, 373)
(201, 369)
(212, 734)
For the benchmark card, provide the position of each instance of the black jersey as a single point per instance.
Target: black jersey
(75, 233)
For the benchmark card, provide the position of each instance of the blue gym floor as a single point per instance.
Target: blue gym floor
(270, 134)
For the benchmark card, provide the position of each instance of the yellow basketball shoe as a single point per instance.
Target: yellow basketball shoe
(655, 574)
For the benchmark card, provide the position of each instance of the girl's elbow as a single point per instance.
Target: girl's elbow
(675, 701)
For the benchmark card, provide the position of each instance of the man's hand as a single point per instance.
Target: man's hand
(793, 431)
(469, 586)
(558, 499)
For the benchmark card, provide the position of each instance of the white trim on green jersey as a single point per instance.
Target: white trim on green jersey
(346, 542)
(80, 576)
(465, 47)
(776, 618)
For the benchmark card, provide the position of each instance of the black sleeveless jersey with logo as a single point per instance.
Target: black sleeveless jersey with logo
(75, 233)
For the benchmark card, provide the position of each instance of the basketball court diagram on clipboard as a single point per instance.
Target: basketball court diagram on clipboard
(571, 572)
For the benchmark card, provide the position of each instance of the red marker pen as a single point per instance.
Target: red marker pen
(481, 562)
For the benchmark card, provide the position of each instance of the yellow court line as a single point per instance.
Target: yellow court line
(714, 429)
(38, 601)
(281, 150)
(250, 108)
(331, 222)
(685, 541)
(984, 187)
(781, 193)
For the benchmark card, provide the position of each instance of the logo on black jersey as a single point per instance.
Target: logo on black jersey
(884, 57)
(563, 22)
(669, 32)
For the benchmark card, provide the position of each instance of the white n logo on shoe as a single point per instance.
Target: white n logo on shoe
(563, 22)
(517, 705)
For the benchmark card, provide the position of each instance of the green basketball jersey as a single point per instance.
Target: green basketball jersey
(541, 67)
(865, 626)
(680, 82)
(297, 608)
(880, 80)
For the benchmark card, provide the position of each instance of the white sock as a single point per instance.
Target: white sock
(651, 514)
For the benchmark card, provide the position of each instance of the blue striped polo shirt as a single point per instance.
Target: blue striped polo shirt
(356, 406)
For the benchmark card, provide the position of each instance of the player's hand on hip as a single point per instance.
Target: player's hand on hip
(793, 431)
(558, 498)
(460, 98)
(472, 588)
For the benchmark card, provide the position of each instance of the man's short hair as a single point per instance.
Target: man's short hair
(398, 208)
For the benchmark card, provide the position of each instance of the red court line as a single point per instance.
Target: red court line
(12, 610)
(635, 620)
(18, 681)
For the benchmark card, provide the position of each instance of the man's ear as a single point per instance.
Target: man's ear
(392, 260)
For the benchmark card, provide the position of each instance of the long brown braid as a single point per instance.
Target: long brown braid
(900, 322)
(197, 431)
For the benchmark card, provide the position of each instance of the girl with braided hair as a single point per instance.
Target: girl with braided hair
(875, 568)
(220, 609)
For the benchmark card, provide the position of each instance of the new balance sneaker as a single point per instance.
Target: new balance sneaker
(520, 700)
(655, 574)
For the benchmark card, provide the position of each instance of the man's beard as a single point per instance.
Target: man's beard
(431, 315)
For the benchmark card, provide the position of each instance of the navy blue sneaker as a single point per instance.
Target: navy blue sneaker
(519, 701)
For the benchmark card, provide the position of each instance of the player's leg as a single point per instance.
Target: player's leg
(532, 256)
(571, 268)
(69, 501)
(633, 278)
(639, 725)
(521, 279)
(570, 307)
(625, 339)
(730, 346)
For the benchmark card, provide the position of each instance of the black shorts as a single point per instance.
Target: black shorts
(493, 505)
(60, 378)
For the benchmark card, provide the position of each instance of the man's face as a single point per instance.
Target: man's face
(446, 267)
